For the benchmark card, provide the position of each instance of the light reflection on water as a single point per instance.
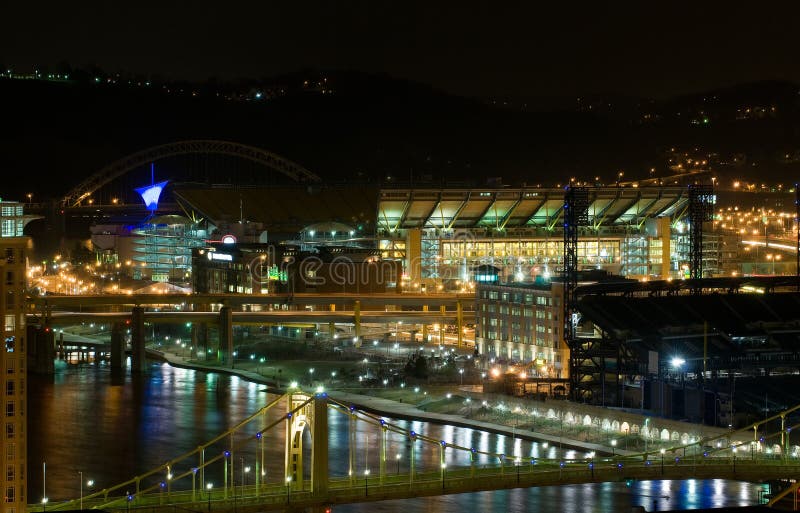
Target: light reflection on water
(586, 498)
(83, 420)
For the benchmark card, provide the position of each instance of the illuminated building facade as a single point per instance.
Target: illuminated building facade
(13, 259)
(521, 322)
(162, 248)
(264, 269)
(441, 234)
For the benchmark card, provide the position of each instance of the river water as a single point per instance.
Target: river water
(84, 422)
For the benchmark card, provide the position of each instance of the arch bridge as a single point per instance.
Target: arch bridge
(120, 167)
(447, 468)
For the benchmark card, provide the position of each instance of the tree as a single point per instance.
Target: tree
(417, 367)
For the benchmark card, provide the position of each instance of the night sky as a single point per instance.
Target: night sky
(482, 49)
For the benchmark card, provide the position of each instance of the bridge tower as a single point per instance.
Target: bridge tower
(307, 411)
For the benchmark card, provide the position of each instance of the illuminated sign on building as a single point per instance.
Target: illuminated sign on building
(213, 255)
(151, 193)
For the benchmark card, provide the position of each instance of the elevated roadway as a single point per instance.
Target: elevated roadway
(227, 310)
(274, 317)
(239, 300)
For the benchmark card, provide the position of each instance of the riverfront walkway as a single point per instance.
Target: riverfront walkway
(407, 411)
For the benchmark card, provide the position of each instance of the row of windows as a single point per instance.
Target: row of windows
(604, 249)
(516, 311)
(518, 298)
(526, 339)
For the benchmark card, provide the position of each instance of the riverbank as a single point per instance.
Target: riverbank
(586, 428)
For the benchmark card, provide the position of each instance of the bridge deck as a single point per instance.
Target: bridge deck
(249, 499)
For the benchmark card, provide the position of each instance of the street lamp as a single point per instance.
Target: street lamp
(397, 458)
(288, 488)
(89, 484)
(461, 372)
(662, 451)
(613, 448)
(366, 482)
(311, 376)
(444, 472)
(44, 486)
(209, 486)
(245, 470)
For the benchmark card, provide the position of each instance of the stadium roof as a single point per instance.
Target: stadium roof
(290, 209)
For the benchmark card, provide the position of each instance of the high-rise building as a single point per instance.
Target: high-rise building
(13, 257)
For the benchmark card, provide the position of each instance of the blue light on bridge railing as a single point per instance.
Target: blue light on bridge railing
(227, 454)
(413, 434)
(619, 465)
(444, 444)
(258, 435)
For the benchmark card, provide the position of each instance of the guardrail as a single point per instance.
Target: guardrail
(462, 479)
